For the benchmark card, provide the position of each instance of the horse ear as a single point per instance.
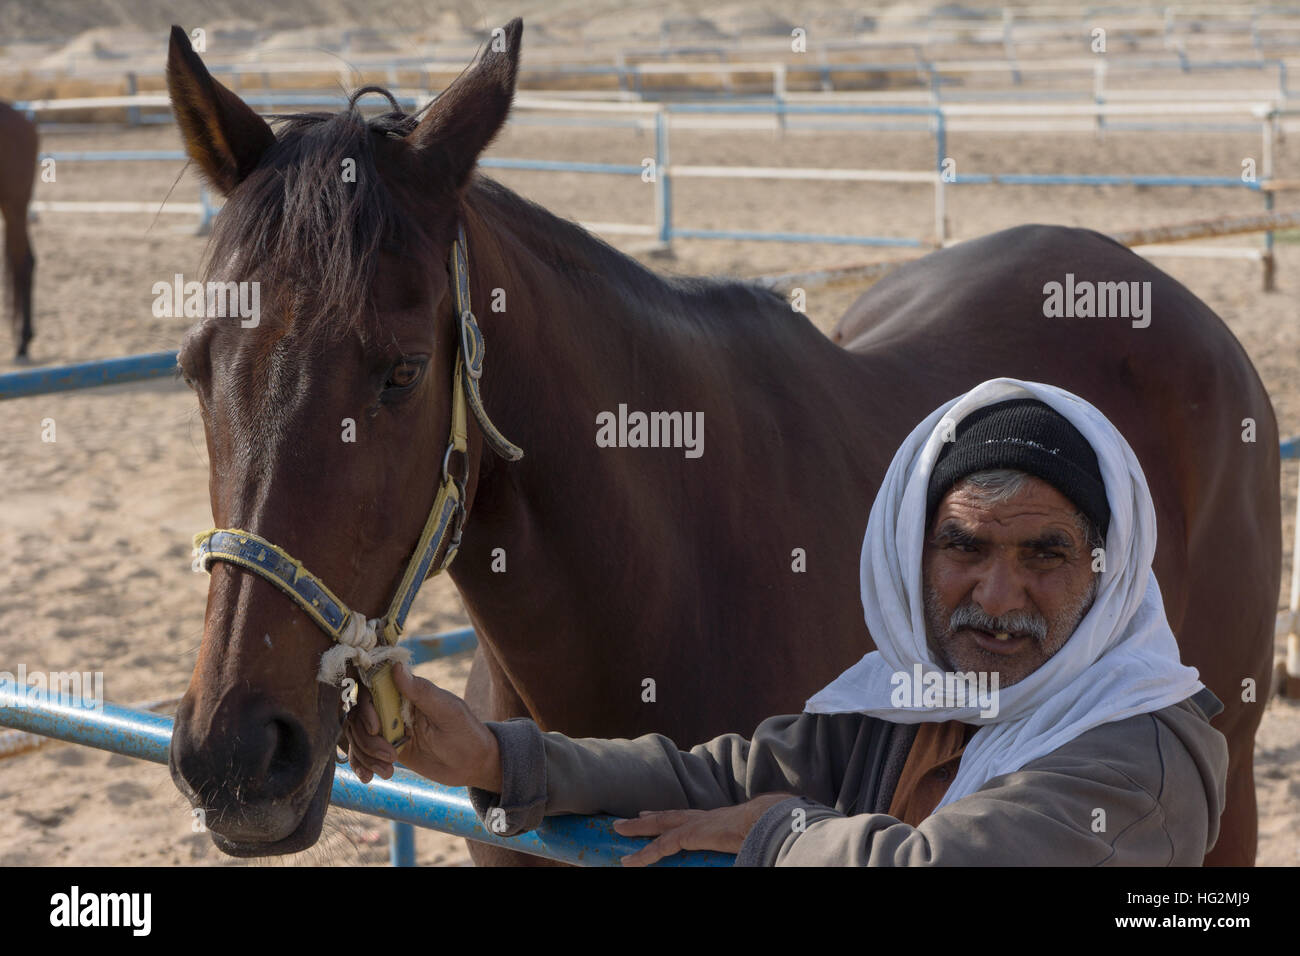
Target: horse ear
(467, 116)
(222, 133)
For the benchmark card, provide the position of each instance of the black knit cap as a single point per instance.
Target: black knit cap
(1030, 436)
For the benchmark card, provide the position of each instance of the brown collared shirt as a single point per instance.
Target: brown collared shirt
(930, 768)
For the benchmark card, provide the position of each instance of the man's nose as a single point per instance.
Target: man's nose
(1000, 589)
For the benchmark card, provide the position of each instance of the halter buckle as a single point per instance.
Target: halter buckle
(459, 520)
(472, 346)
(446, 475)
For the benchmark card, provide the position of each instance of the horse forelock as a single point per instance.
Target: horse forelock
(310, 222)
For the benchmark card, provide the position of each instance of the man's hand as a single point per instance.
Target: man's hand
(448, 745)
(723, 829)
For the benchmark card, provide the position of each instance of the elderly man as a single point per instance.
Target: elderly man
(1010, 546)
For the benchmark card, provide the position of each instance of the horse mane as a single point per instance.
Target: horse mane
(303, 226)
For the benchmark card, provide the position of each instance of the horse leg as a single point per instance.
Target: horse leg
(1232, 640)
(21, 266)
(1239, 825)
(490, 696)
(23, 276)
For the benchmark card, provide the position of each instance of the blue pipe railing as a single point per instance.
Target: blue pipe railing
(406, 798)
(431, 647)
(63, 378)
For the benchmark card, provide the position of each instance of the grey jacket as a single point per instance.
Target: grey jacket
(1145, 791)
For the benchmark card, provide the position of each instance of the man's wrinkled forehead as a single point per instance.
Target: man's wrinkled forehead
(1038, 515)
(954, 530)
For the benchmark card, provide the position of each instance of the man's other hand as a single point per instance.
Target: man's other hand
(723, 829)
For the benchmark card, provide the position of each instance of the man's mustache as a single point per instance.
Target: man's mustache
(1016, 623)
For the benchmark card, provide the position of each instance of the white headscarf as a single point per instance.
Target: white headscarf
(1121, 660)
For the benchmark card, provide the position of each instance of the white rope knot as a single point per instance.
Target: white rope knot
(359, 635)
(359, 644)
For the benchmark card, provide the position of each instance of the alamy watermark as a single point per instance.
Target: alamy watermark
(921, 688)
(132, 911)
(651, 430)
(197, 300)
(83, 689)
(1084, 299)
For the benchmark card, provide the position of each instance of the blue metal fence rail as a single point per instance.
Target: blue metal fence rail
(428, 648)
(406, 798)
(63, 378)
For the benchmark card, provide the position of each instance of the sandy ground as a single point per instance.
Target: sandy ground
(95, 527)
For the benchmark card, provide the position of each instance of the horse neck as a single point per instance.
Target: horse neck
(581, 333)
(581, 329)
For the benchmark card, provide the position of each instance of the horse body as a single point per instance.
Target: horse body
(642, 590)
(18, 150)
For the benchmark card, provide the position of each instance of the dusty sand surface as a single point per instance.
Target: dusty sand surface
(95, 528)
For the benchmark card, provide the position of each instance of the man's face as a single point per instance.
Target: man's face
(1021, 567)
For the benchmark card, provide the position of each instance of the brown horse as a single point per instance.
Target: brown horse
(18, 148)
(588, 570)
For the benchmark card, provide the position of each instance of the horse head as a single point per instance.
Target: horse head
(326, 411)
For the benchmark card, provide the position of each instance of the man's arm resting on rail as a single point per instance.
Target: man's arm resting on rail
(544, 774)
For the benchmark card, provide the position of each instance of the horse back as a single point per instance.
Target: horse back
(1176, 383)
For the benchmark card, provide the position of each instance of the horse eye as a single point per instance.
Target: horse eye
(404, 374)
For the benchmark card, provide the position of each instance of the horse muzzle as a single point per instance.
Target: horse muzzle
(253, 772)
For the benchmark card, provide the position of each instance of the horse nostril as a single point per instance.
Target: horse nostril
(251, 765)
(242, 751)
(290, 756)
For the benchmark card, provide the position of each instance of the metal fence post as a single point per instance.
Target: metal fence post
(132, 112)
(206, 213)
(663, 187)
(401, 844)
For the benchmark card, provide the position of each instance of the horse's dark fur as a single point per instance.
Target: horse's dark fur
(18, 152)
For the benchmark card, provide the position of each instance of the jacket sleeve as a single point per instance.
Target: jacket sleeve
(545, 774)
(1093, 802)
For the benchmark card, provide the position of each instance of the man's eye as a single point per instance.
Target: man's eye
(1049, 556)
(404, 374)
